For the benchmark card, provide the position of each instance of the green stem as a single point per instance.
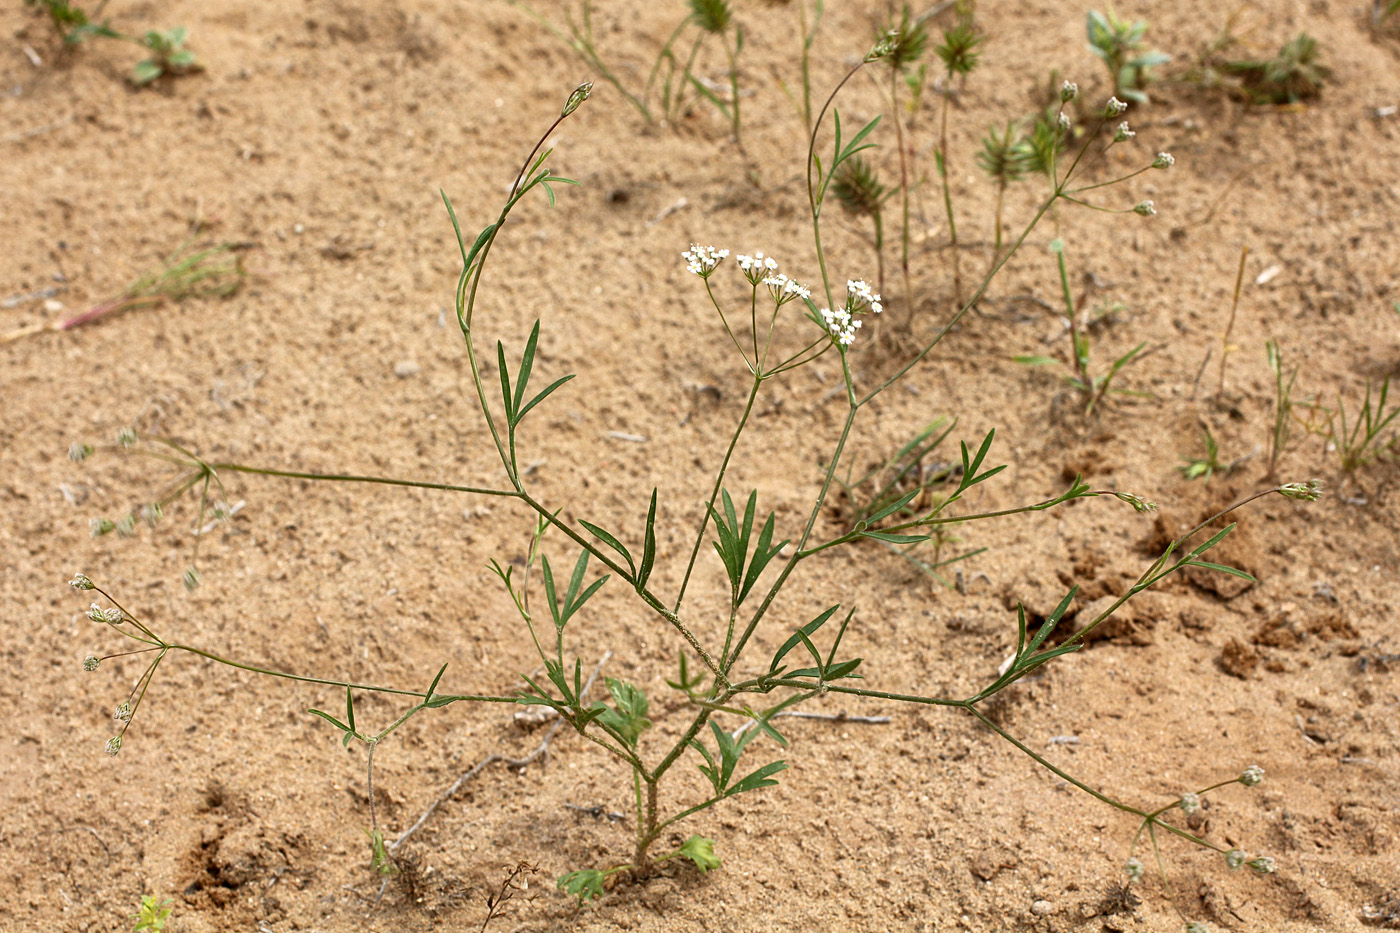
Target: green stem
(714, 493)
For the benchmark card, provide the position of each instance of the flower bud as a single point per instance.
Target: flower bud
(126, 437)
(1163, 160)
(90, 663)
(1189, 803)
(1145, 208)
(1134, 868)
(1197, 927)
(1068, 92)
(886, 44)
(1122, 133)
(1114, 107)
(1263, 864)
(579, 95)
(1234, 859)
(191, 579)
(1251, 776)
(123, 713)
(1310, 491)
(79, 452)
(96, 613)
(1062, 121)
(80, 581)
(98, 527)
(114, 745)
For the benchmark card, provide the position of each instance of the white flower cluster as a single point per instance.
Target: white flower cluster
(840, 325)
(861, 296)
(1123, 133)
(1163, 160)
(702, 260)
(123, 712)
(784, 289)
(1115, 108)
(1145, 208)
(757, 267)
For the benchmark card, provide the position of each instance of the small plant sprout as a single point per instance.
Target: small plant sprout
(187, 273)
(1281, 426)
(1120, 45)
(1294, 74)
(166, 48)
(859, 191)
(168, 56)
(1361, 441)
(152, 915)
(907, 42)
(1006, 157)
(958, 52)
(1203, 468)
(1226, 348)
(730, 683)
(1092, 387)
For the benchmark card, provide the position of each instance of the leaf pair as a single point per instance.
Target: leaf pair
(516, 406)
(573, 598)
(720, 772)
(348, 727)
(824, 670)
(733, 546)
(639, 575)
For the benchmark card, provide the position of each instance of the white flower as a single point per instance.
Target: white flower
(1115, 107)
(1123, 134)
(123, 713)
(1234, 859)
(114, 745)
(96, 613)
(1263, 864)
(90, 662)
(1145, 208)
(80, 581)
(702, 260)
(1068, 92)
(1189, 803)
(1063, 122)
(1163, 160)
(1251, 776)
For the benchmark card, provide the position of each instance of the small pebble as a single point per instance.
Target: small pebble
(53, 305)
(1042, 908)
(406, 368)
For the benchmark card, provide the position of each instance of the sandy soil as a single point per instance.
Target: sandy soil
(320, 134)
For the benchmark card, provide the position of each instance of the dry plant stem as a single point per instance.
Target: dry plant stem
(947, 190)
(1230, 326)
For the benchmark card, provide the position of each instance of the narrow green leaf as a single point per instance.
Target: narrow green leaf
(1233, 571)
(648, 545)
(757, 779)
(893, 538)
(797, 636)
(527, 363)
(576, 580)
(895, 506)
(611, 542)
(350, 708)
(331, 719)
(1053, 620)
(433, 686)
(549, 390)
(547, 573)
(843, 669)
(506, 396)
(840, 634)
(1220, 536)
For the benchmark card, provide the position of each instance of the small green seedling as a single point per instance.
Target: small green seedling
(152, 915)
(168, 56)
(1093, 387)
(72, 22)
(1294, 74)
(1006, 156)
(1203, 468)
(1120, 45)
(1359, 443)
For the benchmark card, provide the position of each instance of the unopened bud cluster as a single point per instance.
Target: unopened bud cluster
(1310, 491)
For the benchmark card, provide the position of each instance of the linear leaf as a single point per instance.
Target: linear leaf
(611, 542)
(797, 636)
